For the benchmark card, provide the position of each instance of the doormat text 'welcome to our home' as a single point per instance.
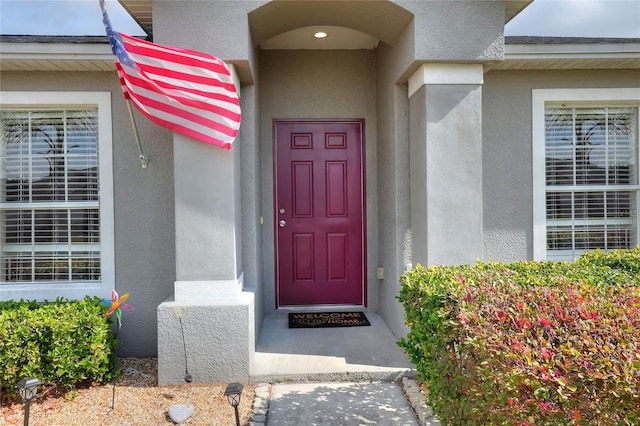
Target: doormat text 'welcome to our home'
(327, 319)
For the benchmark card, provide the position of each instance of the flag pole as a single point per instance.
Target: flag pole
(144, 160)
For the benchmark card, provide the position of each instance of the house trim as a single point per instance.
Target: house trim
(445, 74)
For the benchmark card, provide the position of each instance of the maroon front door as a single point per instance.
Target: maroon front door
(319, 212)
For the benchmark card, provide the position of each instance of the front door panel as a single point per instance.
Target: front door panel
(319, 213)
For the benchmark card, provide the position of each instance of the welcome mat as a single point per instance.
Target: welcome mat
(327, 319)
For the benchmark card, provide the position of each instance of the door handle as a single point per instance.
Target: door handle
(282, 223)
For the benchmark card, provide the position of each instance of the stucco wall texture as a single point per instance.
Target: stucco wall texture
(394, 236)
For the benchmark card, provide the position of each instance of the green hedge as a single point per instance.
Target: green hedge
(620, 260)
(61, 343)
(524, 343)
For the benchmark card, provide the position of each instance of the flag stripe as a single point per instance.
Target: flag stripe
(192, 73)
(141, 83)
(194, 115)
(122, 81)
(168, 57)
(170, 84)
(173, 123)
(213, 85)
(150, 98)
(177, 123)
(180, 88)
(187, 128)
(188, 92)
(208, 137)
(177, 84)
(175, 52)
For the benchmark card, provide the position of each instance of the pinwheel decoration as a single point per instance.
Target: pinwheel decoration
(116, 304)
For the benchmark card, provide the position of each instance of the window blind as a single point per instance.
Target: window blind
(591, 179)
(49, 196)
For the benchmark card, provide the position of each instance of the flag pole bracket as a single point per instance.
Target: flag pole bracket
(144, 160)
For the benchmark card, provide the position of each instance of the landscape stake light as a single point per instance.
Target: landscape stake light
(233, 394)
(28, 389)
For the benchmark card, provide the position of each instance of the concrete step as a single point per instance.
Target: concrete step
(340, 354)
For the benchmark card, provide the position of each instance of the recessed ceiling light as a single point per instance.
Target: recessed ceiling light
(320, 34)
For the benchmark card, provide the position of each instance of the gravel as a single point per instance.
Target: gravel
(139, 401)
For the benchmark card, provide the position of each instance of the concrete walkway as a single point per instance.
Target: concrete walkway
(310, 404)
(330, 376)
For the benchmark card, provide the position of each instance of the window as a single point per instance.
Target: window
(56, 201)
(586, 186)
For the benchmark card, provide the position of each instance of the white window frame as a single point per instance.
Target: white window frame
(75, 290)
(575, 97)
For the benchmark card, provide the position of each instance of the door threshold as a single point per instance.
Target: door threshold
(320, 308)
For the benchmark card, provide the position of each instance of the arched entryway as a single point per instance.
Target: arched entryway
(382, 20)
(322, 80)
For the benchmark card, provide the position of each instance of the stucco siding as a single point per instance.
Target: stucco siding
(507, 151)
(457, 30)
(317, 84)
(394, 248)
(218, 27)
(143, 203)
(251, 208)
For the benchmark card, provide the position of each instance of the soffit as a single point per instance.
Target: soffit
(513, 7)
(565, 64)
(42, 53)
(544, 53)
(140, 11)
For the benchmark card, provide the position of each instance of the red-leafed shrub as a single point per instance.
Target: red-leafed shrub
(528, 343)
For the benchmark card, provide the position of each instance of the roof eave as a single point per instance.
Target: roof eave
(56, 57)
(570, 56)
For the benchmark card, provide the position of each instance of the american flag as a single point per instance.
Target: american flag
(188, 92)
